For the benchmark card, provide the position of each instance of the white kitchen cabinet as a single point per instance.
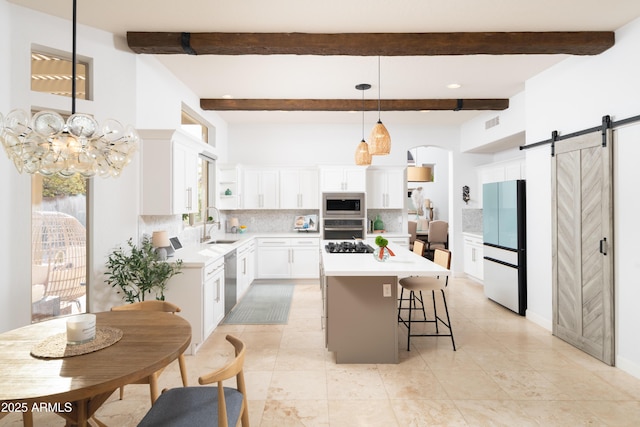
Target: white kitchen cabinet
(213, 296)
(288, 258)
(245, 270)
(508, 170)
(228, 187)
(199, 292)
(386, 188)
(169, 172)
(473, 256)
(353, 178)
(185, 179)
(260, 188)
(400, 241)
(299, 188)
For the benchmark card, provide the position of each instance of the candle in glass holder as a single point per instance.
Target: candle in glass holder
(81, 329)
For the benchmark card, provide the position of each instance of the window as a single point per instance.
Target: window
(58, 246)
(52, 73)
(58, 205)
(206, 167)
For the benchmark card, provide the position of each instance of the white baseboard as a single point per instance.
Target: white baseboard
(628, 366)
(539, 320)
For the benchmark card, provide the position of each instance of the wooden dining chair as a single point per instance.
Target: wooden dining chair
(415, 285)
(203, 406)
(152, 379)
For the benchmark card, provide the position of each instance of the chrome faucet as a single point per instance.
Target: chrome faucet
(205, 235)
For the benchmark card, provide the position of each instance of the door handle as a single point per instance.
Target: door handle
(603, 246)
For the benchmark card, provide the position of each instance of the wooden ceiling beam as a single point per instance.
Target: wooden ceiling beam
(373, 44)
(352, 104)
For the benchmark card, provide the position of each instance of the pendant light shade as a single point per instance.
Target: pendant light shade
(363, 156)
(379, 140)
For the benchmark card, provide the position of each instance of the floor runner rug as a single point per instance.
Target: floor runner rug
(263, 304)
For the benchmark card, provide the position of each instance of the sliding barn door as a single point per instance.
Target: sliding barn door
(583, 304)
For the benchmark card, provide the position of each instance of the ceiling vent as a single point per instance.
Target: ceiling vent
(492, 123)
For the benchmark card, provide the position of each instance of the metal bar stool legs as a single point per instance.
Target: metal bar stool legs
(413, 296)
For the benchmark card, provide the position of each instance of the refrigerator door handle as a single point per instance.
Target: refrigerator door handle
(497, 261)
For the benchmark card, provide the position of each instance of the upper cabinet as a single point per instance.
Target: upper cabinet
(386, 188)
(349, 178)
(169, 172)
(299, 189)
(498, 172)
(260, 189)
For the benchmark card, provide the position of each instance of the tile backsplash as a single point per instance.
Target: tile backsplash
(257, 221)
(472, 220)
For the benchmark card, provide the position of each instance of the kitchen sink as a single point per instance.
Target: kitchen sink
(218, 242)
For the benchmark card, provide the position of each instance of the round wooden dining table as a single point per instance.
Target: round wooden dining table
(75, 387)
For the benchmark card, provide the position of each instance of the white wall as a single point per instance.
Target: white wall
(15, 252)
(627, 262)
(318, 144)
(571, 96)
(512, 121)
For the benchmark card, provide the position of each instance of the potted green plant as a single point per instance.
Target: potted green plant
(138, 272)
(382, 252)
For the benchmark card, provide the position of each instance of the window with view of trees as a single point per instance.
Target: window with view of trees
(59, 246)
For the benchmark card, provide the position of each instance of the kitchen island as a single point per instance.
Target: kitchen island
(360, 309)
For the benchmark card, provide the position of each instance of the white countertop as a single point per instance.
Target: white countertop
(404, 263)
(204, 253)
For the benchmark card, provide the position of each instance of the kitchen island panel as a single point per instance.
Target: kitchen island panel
(359, 329)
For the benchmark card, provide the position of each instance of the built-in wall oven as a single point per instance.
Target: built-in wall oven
(343, 216)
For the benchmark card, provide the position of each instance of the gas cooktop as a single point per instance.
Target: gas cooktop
(348, 247)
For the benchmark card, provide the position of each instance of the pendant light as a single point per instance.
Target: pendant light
(363, 157)
(48, 145)
(379, 140)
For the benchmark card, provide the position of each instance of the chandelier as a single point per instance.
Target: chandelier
(47, 144)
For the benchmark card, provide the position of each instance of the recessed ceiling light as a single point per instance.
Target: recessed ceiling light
(227, 96)
(454, 86)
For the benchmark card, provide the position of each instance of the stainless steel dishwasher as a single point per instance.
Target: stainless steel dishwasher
(230, 281)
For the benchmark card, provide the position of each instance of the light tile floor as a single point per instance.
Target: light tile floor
(506, 371)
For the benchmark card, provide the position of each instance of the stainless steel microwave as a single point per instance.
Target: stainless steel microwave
(343, 205)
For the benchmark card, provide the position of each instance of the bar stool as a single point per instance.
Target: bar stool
(415, 285)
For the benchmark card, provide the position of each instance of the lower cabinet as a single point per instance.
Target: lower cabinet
(400, 241)
(246, 261)
(473, 256)
(199, 292)
(288, 258)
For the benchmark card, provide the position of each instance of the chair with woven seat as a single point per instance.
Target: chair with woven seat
(205, 406)
(152, 379)
(438, 237)
(415, 285)
(418, 249)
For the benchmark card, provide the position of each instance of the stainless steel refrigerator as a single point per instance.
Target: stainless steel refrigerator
(505, 244)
